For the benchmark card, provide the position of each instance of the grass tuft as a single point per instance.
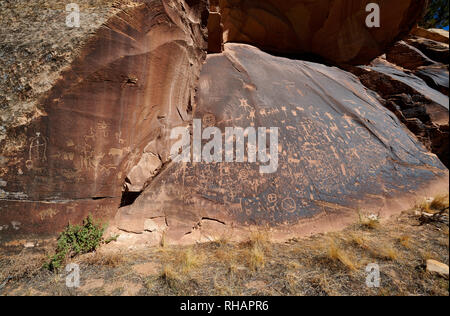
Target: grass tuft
(189, 260)
(440, 202)
(405, 241)
(371, 222)
(336, 254)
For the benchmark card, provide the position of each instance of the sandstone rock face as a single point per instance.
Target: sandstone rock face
(338, 147)
(413, 80)
(133, 80)
(215, 28)
(420, 107)
(333, 29)
(86, 114)
(407, 56)
(435, 50)
(436, 76)
(431, 34)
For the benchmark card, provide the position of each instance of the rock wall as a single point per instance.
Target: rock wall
(86, 113)
(413, 80)
(338, 149)
(131, 82)
(333, 29)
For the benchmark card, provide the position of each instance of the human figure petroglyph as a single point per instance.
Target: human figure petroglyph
(103, 128)
(37, 153)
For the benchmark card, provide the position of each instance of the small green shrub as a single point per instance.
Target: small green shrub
(76, 240)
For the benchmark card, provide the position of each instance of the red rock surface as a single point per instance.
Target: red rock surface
(133, 80)
(338, 148)
(421, 104)
(407, 56)
(333, 29)
(91, 129)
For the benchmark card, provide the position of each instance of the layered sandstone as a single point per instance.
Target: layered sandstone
(339, 148)
(413, 80)
(131, 81)
(86, 114)
(333, 29)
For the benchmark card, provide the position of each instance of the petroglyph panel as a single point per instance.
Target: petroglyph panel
(128, 86)
(338, 147)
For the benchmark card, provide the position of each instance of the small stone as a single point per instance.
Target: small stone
(29, 245)
(437, 267)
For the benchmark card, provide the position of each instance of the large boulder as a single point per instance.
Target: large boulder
(333, 29)
(339, 150)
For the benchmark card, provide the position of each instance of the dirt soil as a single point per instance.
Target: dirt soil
(326, 264)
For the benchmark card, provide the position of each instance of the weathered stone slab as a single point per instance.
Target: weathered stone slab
(339, 149)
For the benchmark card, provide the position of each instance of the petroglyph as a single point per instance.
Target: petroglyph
(331, 152)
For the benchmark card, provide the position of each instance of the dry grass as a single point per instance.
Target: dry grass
(254, 251)
(109, 259)
(21, 266)
(256, 258)
(435, 205)
(440, 202)
(385, 252)
(358, 240)
(170, 276)
(428, 255)
(337, 254)
(188, 260)
(405, 241)
(260, 239)
(327, 264)
(370, 222)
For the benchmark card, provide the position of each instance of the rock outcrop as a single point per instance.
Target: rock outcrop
(86, 114)
(131, 82)
(413, 81)
(431, 34)
(333, 29)
(437, 51)
(338, 147)
(407, 56)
